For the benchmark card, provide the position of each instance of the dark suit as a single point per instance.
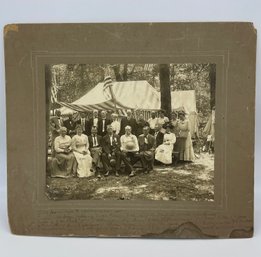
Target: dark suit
(91, 140)
(111, 151)
(102, 126)
(159, 138)
(147, 149)
(85, 126)
(55, 124)
(140, 125)
(90, 125)
(70, 125)
(128, 122)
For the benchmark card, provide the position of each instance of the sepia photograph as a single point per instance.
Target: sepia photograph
(130, 131)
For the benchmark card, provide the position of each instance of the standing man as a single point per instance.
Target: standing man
(129, 149)
(141, 123)
(116, 126)
(102, 124)
(147, 149)
(56, 123)
(128, 121)
(70, 124)
(95, 142)
(111, 152)
(84, 122)
(93, 121)
(152, 122)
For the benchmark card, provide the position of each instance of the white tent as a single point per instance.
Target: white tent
(185, 99)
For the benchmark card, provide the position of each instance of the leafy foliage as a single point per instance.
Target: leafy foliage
(74, 80)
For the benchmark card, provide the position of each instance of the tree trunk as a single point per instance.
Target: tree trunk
(165, 95)
(116, 69)
(212, 79)
(125, 74)
(48, 86)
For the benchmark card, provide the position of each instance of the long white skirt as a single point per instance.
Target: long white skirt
(189, 151)
(84, 164)
(163, 153)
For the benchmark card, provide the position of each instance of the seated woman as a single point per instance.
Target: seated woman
(185, 145)
(63, 163)
(80, 145)
(163, 152)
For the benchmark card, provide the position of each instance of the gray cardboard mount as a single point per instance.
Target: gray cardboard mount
(232, 46)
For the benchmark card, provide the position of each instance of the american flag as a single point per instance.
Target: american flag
(54, 88)
(54, 91)
(107, 90)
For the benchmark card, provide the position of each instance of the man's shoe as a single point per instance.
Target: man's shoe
(99, 176)
(117, 174)
(107, 174)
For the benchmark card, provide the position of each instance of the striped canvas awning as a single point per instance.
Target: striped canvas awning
(128, 95)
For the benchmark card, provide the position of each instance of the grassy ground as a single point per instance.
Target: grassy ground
(186, 181)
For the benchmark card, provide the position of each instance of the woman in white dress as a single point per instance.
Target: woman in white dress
(186, 148)
(80, 145)
(164, 151)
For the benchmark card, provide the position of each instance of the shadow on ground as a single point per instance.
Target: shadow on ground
(184, 182)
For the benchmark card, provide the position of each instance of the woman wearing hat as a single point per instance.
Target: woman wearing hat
(185, 143)
(164, 151)
(162, 119)
(174, 122)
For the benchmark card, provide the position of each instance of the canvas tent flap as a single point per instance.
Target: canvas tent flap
(184, 99)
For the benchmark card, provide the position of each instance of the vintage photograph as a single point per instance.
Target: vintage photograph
(130, 131)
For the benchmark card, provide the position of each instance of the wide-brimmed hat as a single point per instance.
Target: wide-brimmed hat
(182, 113)
(168, 125)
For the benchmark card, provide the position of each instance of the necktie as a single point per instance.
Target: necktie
(94, 141)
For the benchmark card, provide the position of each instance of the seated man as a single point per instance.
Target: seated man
(64, 163)
(158, 135)
(95, 147)
(129, 149)
(111, 152)
(147, 149)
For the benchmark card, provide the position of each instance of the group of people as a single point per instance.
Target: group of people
(91, 144)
